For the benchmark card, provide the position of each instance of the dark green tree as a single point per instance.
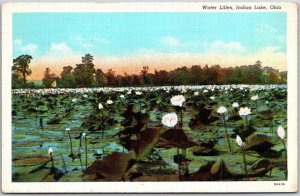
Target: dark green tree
(84, 73)
(21, 67)
(66, 78)
(100, 78)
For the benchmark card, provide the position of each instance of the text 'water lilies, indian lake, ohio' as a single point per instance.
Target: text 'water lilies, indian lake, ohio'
(166, 133)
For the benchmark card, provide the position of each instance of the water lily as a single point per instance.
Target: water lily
(281, 132)
(254, 98)
(85, 96)
(138, 93)
(178, 100)
(71, 146)
(100, 106)
(74, 100)
(170, 120)
(122, 96)
(212, 97)
(244, 111)
(109, 102)
(205, 91)
(196, 93)
(85, 142)
(239, 141)
(222, 110)
(50, 153)
(235, 105)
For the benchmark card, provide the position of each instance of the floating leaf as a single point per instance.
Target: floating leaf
(31, 161)
(111, 168)
(259, 142)
(177, 138)
(148, 138)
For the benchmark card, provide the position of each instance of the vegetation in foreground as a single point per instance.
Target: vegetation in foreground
(180, 133)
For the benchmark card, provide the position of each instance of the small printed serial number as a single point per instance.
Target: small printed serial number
(279, 183)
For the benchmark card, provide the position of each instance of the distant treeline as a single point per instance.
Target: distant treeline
(85, 75)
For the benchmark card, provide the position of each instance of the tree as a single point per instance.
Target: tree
(100, 78)
(21, 66)
(144, 75)
(49, 79)
(66, 78)
(111, 78)
(16, 81)
(84, 73)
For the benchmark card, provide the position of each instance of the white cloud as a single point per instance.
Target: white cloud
(60, 49)
(31, 48)
(88, 42)
(221, 47)
(170, 41)
(18, 42)
(265, 29)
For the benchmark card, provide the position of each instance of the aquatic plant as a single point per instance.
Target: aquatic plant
(170, 120)
(50, 153)
(222, 110)
(70, 139)
(241, 145)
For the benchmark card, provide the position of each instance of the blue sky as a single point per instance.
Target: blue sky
(117, 35)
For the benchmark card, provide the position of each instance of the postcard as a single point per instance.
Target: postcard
(152, 97)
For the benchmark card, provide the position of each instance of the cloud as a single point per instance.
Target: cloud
(31, 48)
(220, 47)
(265, 29)
(18, 42)
(88, 42)
(60, 49)
(170, 41)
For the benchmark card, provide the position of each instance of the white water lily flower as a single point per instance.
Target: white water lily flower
(138, 93)
(267, 102)
(205, 91)
(254, 98)
(74, 100)
(239, 140)
(100, 106)
(85, 96)
(109, 102)
(178, 100)
(67, 129)
(212, 98)
(83, 135)
(50, 151)
(122, 96)
(170, 119)
(235, 105)
(244, 111)
(222, 110)
(281, 132)
(196, 93)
